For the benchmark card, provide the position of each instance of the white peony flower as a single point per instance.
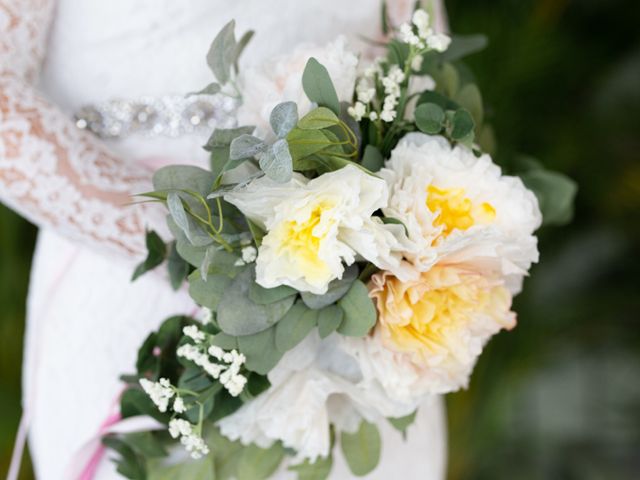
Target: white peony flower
(431, 331)
(458, 208)
(315, 384)
(280, 80)
(315, 226)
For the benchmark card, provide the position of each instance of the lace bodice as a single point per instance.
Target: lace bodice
(51, 172)
(65, 179)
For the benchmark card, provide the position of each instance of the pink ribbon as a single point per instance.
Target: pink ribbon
(89, 472)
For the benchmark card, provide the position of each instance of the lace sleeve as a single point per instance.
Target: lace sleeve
(51, 172)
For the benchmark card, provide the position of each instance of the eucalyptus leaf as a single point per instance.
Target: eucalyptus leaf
(359, 311)
(224, 341)
(372, 158)
(221, 54)
(430, 118)
(470, 98)
(318, 470)
(318, 86)
(194, 233)
(218, 260)
(463, 45)
(329, 319)
(362, 449)
(183, 178)
(335, 291)
(210, 89)
(263, 296)
(193, 255)
(259, 463)
(260, 350)
(463, 124)
(239, 315)
(429, 96)
(295, 326)
(283, 118)
(555, 192)
(209, 293)
(241, 45)
(177, 266)
(403, 423)
(156, 253)
(277, 163)
(246, 146)
(222, 137)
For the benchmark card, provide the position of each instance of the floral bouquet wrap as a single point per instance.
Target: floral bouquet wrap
(351, 249)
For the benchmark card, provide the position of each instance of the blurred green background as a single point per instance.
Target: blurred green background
(559, 396)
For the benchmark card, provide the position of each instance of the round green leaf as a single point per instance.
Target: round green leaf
(239, 315)
(295, 326)
(362, 449)
(329, 319)
(430, 118)
(463, 124)
(359, 311)
(337, 289)
(283, 118)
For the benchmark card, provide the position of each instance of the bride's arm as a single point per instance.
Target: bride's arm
(51, 172)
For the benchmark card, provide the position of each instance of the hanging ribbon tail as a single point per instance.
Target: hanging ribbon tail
(85, 462)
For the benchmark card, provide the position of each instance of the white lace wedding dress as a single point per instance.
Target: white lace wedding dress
(85, 318)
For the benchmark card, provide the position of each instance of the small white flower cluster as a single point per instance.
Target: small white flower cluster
(189, 437)
(249, 255)
(391, 83)
(426, 37)
(227, 368)
(366, 92)
(160, 393)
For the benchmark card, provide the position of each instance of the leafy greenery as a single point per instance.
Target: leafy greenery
(156, 253)
(318, 86)
(362, 449)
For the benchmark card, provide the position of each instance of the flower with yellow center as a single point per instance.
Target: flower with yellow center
(460, 208)
(442, 320)
(315, 227)
(455, 211)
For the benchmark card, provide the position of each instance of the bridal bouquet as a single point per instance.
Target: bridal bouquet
(351, 249)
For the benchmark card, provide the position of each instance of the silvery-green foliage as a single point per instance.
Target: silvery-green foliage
(221, 54)
(362, 449)
(283, 118)
(196, 235)
(336, 290)
(276, 162)
(359, 311)
(246, 146)
(318, 86)
(318, 470)
(239, 315)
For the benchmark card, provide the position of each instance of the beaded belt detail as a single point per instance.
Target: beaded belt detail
(170, 116)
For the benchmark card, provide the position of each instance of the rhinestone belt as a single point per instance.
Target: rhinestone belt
(171, 116)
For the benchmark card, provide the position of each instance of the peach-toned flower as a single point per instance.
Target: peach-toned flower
(441, 321)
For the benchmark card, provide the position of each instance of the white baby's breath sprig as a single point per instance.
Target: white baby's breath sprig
(189, 437)
(160, 392)
(225, 366)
